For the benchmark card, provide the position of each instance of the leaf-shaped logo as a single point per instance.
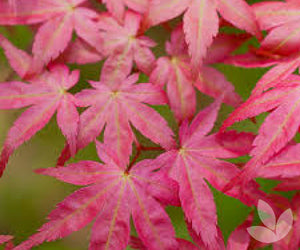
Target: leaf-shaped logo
(273, 231)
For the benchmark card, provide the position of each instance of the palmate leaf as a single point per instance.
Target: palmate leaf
(284, 165)
(59, 18)
(116, 105)
(113, 195)
(282, 21)
(196, 161)
(19, 60)
(278, 128)
(201, 21)
(201, 18)
(117, 7)
(123, 45)
(26, 67)
(174, 71)
(45, 95)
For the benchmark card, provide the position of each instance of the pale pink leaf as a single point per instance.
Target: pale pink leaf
(118, 133)
(87, 28)
(68, 121)
(117, 67)
(204, 121)
(181, 94)
(257, 105)
(273, 14)
(73, 213)
(116, 7)
(150, 123)
(213, 83)
(18, 95)
(111, 229)
(144, 59)
(82, 173)
(199, 209)
(240, 14)
(200, 25)
(223, 45)
(251, 60)
(91, 123)
(19, 60)
(276, 74)
(283, 165)
(164, 10)
(138, 5)
(52, 39)
(283, 40)
(31, 121)
(152, 223)
(161, 72)
(30, 11)
(279, 127)
(80, 52)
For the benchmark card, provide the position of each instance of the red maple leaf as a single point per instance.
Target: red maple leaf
(45, 94)
(281, 19)
(116, 105)
(201, 21)
(278, 128)
(174, 70)
(59, 17)
(195, 162)
(117, 7)
(114, 193)
(123, 45)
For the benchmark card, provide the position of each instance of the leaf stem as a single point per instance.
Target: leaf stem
(140, 149)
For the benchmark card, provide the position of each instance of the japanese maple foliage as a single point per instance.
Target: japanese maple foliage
(163, 91)
(45, 94)
(115, 192)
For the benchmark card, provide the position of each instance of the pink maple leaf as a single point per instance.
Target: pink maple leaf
(123, 45)
(239, 239)
(24, 65)
(20, 61)
(80, 52)
(281, 19)
(116, 106)
(195, 161)
(117, 7)
(174, 70)
(114, 193)
(278, 128)
(284, 165)
(60, 18)
(44, 94)
(201, 21)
